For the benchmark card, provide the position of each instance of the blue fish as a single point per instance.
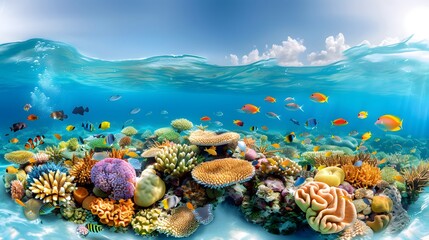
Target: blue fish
(299, 181)
(358, 163)
(311, 123)
(255, 162)
(294, 121)
(88, 126)
(110, 139)
(366, 201)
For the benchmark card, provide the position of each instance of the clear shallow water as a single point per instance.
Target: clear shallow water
(54, 76)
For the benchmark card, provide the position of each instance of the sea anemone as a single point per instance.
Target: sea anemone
(17, 189)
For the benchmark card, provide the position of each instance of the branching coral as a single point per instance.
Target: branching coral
(416, 178)
(118, 153)
(81, 168)
(341, 160)
(363, 176)
(208, 138)
(250, 142)
(279, 166)
(112, 213)
(176, 160)
(38, 171)
(181, 124)
(146, 221)
(54, 153)
(181, 223)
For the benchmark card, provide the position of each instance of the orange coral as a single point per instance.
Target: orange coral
(341, 160)
(118, 153)
(112, 213)
(363, 176)
(250, 142)
(125, 141)
(81, 169)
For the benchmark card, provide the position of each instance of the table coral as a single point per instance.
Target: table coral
(181, 223)
(363, 176)
(209, 138)
(146, 221)
(19, 157)
(113, 213)
(176, 160)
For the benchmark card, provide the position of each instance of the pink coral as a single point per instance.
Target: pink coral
(17, 189)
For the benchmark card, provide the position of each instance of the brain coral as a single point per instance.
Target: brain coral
(112, 213)
(181, 124)
(363, 176)
(19, 157)
(181, 223)
(129, 131)
(224, 172)
(208, 138)
(327, 208)
(114, 176)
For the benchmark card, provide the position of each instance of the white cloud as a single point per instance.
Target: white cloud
(287, 54)
(335, 46)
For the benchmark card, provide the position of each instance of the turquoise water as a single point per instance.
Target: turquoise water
(54, 76)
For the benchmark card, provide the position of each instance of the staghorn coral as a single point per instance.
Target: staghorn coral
(81, 169)
(388, 174)
(272, 167)
(112, 213)
(125, 141)
(55, 187)
(181, 124)
(16, 189)
(129, 131)
(146, 221)
(224, 172)
(181, 223)
(341, 160)
(19, 157)
(38, 171)
(327, 208)
(363, 176)
(176, 160)
(416, 178)
(359, 230)
(55, 153)
(209, 138)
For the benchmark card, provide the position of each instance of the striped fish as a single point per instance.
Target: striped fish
(94, 227)
(47, 208)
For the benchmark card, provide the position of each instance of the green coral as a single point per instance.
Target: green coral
(181, 124)
(161, 131)
(72, 144)
(388, 174)
(176, 160)
(146, 221)
(170, 136)
(76, 215)
(55, 153)
(97, 143)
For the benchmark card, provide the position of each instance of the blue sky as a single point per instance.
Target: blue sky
(219, 30)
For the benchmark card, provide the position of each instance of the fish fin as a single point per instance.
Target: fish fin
(32, 160)
(19, 202)
(86, 109)
(300, 108)
(400, 125)
(165, 203)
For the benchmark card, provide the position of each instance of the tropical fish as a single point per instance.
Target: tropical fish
(316, 148)
(377, 140)
(358, 163)
(306, 141)
(304, 134)
(389, 123)
(27, 107)
(361, 148)
(32, 117)
(307, 167)
(362, 114)
(339, 122)
(366, 201)
(33, 143)
(14, 140)
(353, 133)
(71, 127)
(311, 123)
(253, 128)
(132, 154)
(135, 110)
(318, 138)
(58, 115)
(382, 161)
(80, 110)
(290, 137)
(299, 181)
(57, 136)
(272, 115)
(205, 118)
(296, 122)
(211, 150)
(109, 139)
(18, 126)
(104, 125)
(399, 178)
(190, 206)
(413, 150)
(114, 98)
(219, 124)
(336, 139)
(238, 123)
(170, 202)
(328, 153)
(88, 126)
(163, 112)
(269, 99)
(11, 170)
(289, 99)
(265, 128)
(319, 97)
(250, 108)
(275, 145)
(219, 114)
(294, 107)
(321, 167)
(366, 136)
(373, 153)
(95, 228)
(47, 208)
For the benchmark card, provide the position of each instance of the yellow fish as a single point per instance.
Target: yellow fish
(399, 178)
(19, 202)
(68, 163)
(366, 136)
(362, 114)
(328, 154)
(11, 170)
(373, 153)
(70, 128)
(272, 161)
(132, 154)
(286, 163)
(14, 140)
(413, 150)
(211, 150)
(296, 155)
(321, 167)
(104, 125)
(347, 198)
(382, 161)
(275, 145)
(316, 148)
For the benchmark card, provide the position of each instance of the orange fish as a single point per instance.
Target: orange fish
(389, 123)
(14, 140)
(205, 118)
(32, 143)
(399, 178)
(382, 161)
(250, 108)
(57, 136)
(265, 128)
(286, 163)
(275, 145)
(319, 97)
(32, 117)
(190, 206)
(270, 99)
(339, 122)
(238, 123)
(316, 148)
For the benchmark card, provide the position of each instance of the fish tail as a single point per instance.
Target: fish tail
(165, 203)
(278, 117)
(19, 202)
(300, 108)
(400, 124)
(326, 99)
(258, 109)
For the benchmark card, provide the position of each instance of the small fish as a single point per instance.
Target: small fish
(384, 160)
(32, 117)
(377, 140)
(272, 161)
(132, 154)
(170, 202)
(57, 136)
(265, 128)
(219, 114)
(294, 107)
(11, 170)
(307, 167)
(272, 115)
(347, 198)
(255, 163)
(114, 98)
(336, 139)
(275, 145)
(358, 163)
(71, 127)
(413, 150)
(95, 228)
(311, 123)
(316, 148)
(318, 138)
(304, 134)
(321, 167)
(339, 122)
(353, 133)
(250, 108)
(135, 111)
(190, 206)
(290, 137)
(219, 124)
(163, 112)
(27, 107)
(319, 97)
(128, 122)
(366, 201)
(88, 126)
(80, 110)
(81, 141)
(238, 123)
(399, 178)
(361, 148)
(286, 163)
(104, 125)
(33, 143)
(253, 128)
(374, 152)
(211, 150)
(47, 208)
(362, 115)
(299, 181)
(19, 202)
(18, 126)
(58, 115)
(14, 140)
(306, 141)
(269, 99)
(389, 123)
(109, 139)
(296, 122)
(205, 118)
(328, 153)
(366, 136)
(289, 99)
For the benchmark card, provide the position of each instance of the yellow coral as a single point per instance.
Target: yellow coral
(19, 157)
(273, 167)
(112, 213)
(363, 176)
(181, 124)
(146, 221)
(55, 187)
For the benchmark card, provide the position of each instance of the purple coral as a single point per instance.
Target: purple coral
(114, 176)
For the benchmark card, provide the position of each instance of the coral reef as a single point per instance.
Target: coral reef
(72, 214)
(129, 131)
(388, 174)
(400, 218)
(114, 176)
(416, 178)
(208, 138)
(149, 189)
(97, 143)
(81, 169)
(41, 157)
(379, 223)
(194, 193)
(19, 157)
(319, 157)
(333, 176)
(125, 141)
(118, 153)
(146, 221)
(72, 144)
(16, 189)
(38, 171)
(55, 153)
(181, 223)
(341, 160)
(181, 124)
(363, 176)
(359, 230)
(55, 187)
(112, 213)
(176, 160)
(327, 208)
(381, 204)
(223, 172)
(168, 134)
(271, 166)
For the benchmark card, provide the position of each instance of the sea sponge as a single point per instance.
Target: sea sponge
(363, 176)
(129, 131)
(55, 187)
(125, 141)
(388, 174)
(328, 209)
(79, 194)
(150, 188)
(381, 204)
(114, 176)
(19, 157)
(112, 213)
(271, 167)
(81, 169)
(181, 124)
(224, 172)
(16, 189)
(176, 160)
(146, 221)
(209, 138)
(333, 176)
(380, 222)
(181, 223)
